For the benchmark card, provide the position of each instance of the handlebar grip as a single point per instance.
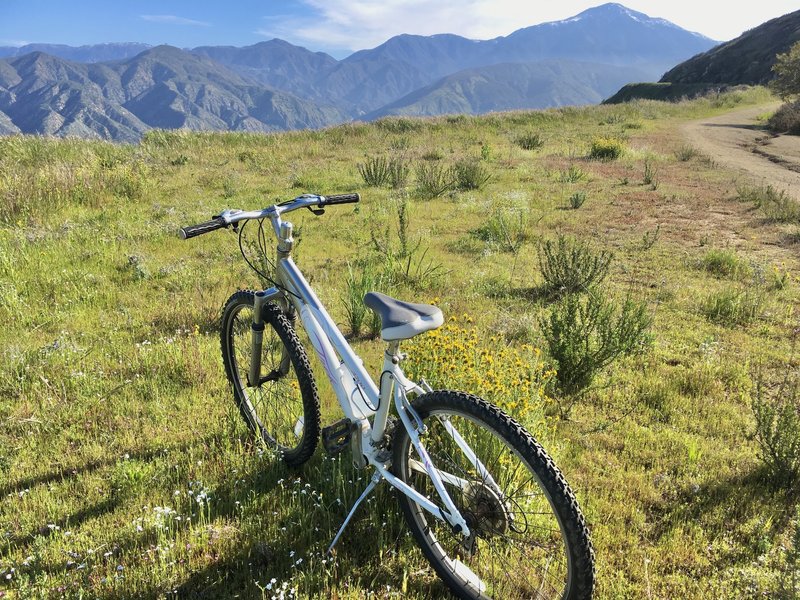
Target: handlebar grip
(341, 199)
(191, 231)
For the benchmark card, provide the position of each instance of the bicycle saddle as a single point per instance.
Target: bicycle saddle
(402, 320)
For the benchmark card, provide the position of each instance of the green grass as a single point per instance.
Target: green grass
(113, 404)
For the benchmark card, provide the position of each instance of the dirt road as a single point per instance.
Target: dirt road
(738, 141)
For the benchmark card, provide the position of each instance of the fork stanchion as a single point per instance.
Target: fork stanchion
(257, 331)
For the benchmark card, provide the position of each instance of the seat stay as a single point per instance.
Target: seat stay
(450, 513)
(470, 455)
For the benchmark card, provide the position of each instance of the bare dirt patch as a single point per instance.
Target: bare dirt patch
(738, 141)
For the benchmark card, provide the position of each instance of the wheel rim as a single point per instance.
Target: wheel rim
(517, 546)
(274, 408)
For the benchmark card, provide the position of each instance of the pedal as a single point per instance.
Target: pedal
(336, 437)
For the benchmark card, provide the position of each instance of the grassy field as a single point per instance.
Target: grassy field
(125, 471)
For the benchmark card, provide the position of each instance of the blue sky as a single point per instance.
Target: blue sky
(338, 27)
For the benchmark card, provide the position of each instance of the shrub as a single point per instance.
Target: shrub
(781, 208)
(777, 413)
(433, 179)
(398, 173)
(724, 264)
(378, 171)
(786, 119)
(398, 124)
(507, 228)
(786, 83)
(358, 282)
(649, 238)
(470, 175)
(685, 153)
(432, 155)
(569, 266)
(776, 205)
(585, 334)
(529, 141)
(604, 148)
(572, 175)
(650, 173)
(731, 307)
(576, 200)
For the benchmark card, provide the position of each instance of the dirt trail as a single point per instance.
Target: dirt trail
(736, 140)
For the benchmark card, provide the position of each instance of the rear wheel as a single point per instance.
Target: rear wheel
(527, 538)
(282, 408)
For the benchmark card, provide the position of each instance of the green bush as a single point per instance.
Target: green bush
(686, 153)
(786, 119)
(650, 173)
(572, 175)
(586, 333)
(576, 200)
(432, 155)
(786, 83)
(398, 124)
(724, 264)
(604, 148)
(470, 175)
(358, 282)
(776, 205)
(506, 228)
(777, 413)
(433, 179)
(378, 171)
(570, 266)
(732, 307)
(529, 141)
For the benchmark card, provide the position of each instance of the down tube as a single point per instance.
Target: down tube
(292, 276)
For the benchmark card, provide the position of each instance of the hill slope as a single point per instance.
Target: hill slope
(512, 86)
(163, 87)
(746, 60)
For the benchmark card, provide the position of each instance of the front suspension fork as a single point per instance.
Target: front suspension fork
(257, 338)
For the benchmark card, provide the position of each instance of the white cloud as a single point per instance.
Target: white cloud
(174, 20)
(358, 24)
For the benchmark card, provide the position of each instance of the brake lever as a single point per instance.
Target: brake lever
(316, 211)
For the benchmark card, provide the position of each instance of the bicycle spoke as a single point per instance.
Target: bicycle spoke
(515, 547)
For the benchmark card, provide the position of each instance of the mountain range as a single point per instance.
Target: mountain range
(119, 91)
(745, 60)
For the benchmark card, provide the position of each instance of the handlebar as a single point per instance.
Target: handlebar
(340, 199)
(230, 217)
(191, 231)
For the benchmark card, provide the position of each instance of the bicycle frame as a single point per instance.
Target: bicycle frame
(366, 408)
(358, 395)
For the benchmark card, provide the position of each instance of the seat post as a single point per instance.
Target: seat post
(393, 348)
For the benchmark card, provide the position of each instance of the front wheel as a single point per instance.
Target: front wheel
(528, 538)
(282, 408)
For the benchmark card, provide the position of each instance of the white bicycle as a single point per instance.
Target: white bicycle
(488, 507)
